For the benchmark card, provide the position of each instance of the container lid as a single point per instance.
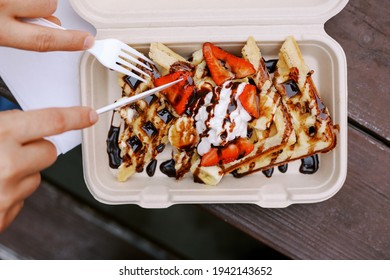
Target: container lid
(156, 13)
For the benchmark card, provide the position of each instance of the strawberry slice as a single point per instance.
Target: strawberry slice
(218, 72)
(250, 100)
(210, 158)
(179, 94)
(239, 67)
(223, 155)
(229, 153)
(244, 146)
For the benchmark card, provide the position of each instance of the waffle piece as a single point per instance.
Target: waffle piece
(164, 57)
(146, 124)
(311, 121)
(273, 130)
(182, 134)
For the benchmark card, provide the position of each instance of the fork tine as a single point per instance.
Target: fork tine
(129, 57)
(123, 70)
(131, 66)
(131, 50)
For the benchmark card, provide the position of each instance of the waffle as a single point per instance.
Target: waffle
(311, 121)
(145, 128)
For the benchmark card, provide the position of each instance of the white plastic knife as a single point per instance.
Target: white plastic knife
(131, 99)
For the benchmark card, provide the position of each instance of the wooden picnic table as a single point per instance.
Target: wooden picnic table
(355, 223)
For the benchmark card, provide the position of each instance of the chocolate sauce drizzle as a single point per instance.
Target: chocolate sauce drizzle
(165, 115)
(309, 165)
(197, 179)
(132, 82)
(150, 129)
(197, 100)
(160, 148)
(291, 88)
(134, 143)
(113, 150)
(150, 99)
(271, 65)
(151, 168)
(321, 107)
(268, 172)
(323, 115)
(168, 168)
(283, 168)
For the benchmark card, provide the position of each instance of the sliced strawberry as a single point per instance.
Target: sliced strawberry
(244, 146)
(181, 100)
(223, 155)
(229, 153)
(210, 158)
(179, 94)
(218, 72)
(239, 67)
(250, 100)
(169, 78)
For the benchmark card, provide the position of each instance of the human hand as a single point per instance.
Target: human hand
(18, 34)
(24, 152)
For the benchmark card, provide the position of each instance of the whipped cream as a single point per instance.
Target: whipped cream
(216, 122)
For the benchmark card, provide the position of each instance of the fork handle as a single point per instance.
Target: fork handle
(43, 22)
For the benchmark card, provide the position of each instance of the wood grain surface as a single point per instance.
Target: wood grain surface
(53, 225)
(363, 30)
(353, 224)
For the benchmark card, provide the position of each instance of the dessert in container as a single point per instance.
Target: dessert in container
(184, 27)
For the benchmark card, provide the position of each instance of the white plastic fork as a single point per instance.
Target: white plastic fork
(112, 53)
(128, 100)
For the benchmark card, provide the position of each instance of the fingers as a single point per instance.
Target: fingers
(31, 8)
(19, 190)
(29, 36)
(54, 19)
(37, 155)
(32, 125)
(18, 34)
(7, 217)
(27, 187)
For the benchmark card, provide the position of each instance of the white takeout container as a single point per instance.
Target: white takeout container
(184, 26)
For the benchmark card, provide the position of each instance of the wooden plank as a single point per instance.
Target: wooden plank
(363, 30)
(354, 224)
(53, 225)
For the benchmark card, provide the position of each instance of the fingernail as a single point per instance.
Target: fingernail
(88, 42)
(93, 116)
